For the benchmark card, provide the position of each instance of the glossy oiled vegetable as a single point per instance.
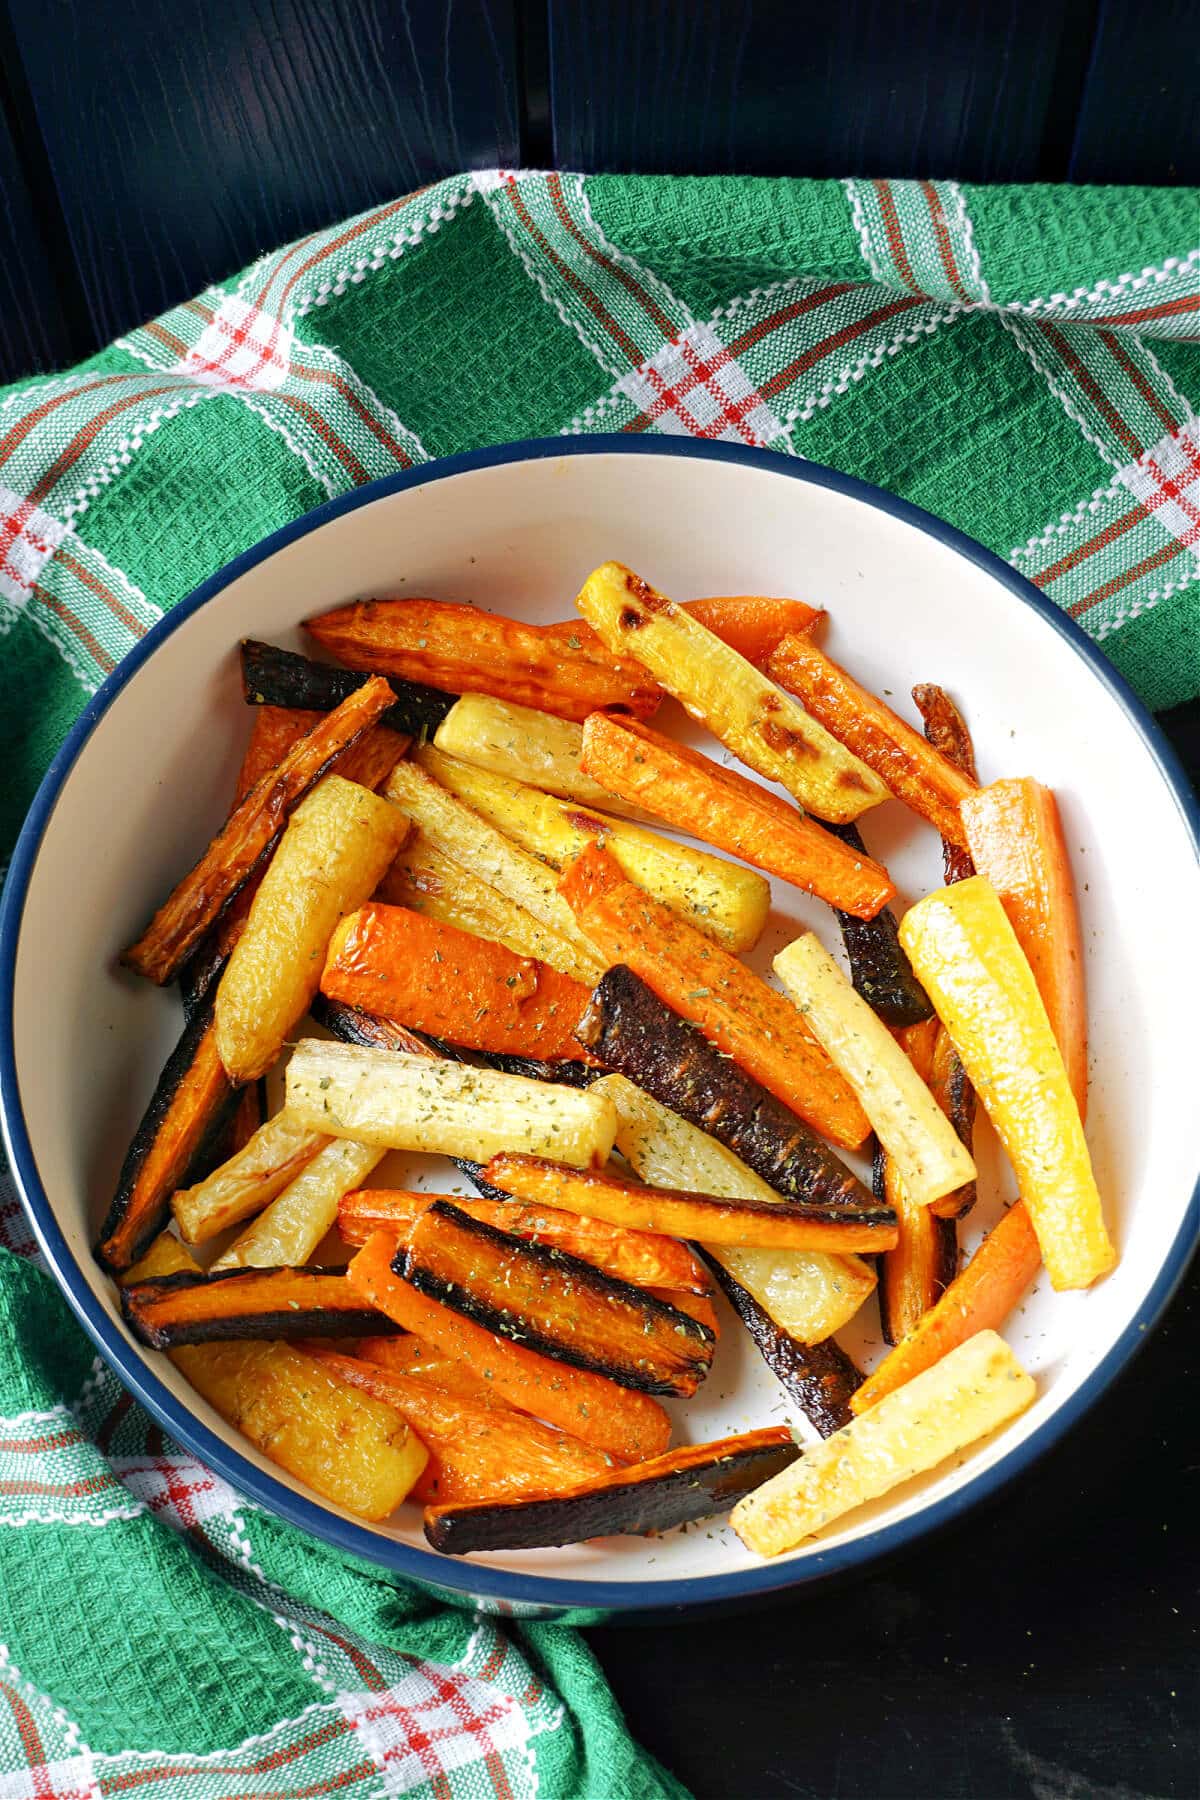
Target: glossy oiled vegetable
(738, 1014)
(675, 1212)
(279, 678)
(914, 771)
(970, 1393)
(245, 1303)
(691, 1483)
(621, 1421)
(337, 844)
(460, 649)
(719, 898)
(879, 969)
(553, 1303)
(692, 793)
(761, 725)
(238, 848)
(966, 953)
(904, 1115)
(436, 978)
(408, 1102)
(818, 1378)
(290, 1229)
(946, 730)
(524, 745)
(978, 1299)
(916, 1272)
(808, 1295)
(477, 1447)
(190, 1096)
(251, 1178)
(951, 1088)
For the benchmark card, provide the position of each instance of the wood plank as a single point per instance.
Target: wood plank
(185, 138)
(33, 332)
(800, 87)
(1139, 120)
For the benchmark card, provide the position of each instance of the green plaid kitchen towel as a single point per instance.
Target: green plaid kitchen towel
(1023, 361)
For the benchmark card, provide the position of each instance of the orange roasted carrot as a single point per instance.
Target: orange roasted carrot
(247, 835)
(273, 732)
(476, 1450)
(698, 1305)
(978, 1299)
(436, 978)
(751, 624)
(409, 1355)
(1016, 840)
(697, 795)
(621, 1421)
(642, 1258)
(738, 1013)
(914, 771)
(463, 650)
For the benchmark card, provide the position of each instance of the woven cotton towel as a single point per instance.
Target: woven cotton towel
(1024, 362)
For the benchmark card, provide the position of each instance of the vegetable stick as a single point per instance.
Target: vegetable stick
(458, 648)
(906, 1118)
(735, 1011)
(289, 1230)
(603, 1194)
(171, 1310)
(264, 1166)
(477, 1449)
(337, 844)
(1016, 841)
(471, 841)
(718, 898)
(694, 794)
(753, 624)
(273, 732)
(953, 1092)
(407, 1102)
(879, 968)
(979, 1298)
(916, 1272)
(188, 1099)
(242, 842)
(806, 1295)
(524, 745)
(966, 953)
(438, 979)
(621, 1421)
(914, 771)
(946, 730)
(286, 682)
(820, 1379)
(412, 1356)
(749, 713)
(642, 1258)
(970, 1393)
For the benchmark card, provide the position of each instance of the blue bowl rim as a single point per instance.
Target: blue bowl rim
(426, 1567)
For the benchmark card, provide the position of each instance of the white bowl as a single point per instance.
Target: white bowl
(145, 778)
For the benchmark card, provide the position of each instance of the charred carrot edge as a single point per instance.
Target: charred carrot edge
(461, 649)
(192, 1093)
(914, 771)
(439, 979)
(274, 730)
(879, 969)
(756, 1225)
(951, 1087)
(171, 1310)
(978, 1299)
(687, 1484)
(723, 808)
(699, 1306)
(280, 680)
(946, 730)
(735, 1011)
(1016, 839)
(621, 1421)
(476, 1449)
(640, 1257)
(243, 841)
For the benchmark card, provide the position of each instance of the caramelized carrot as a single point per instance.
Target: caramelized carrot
(978, 1299)
(736, 1012)
(698, 1305)
(621, 1421)
(914, 771)
(436, 978)
(1016, 840)
(412, 1356)
(697, 795)
(273, 732)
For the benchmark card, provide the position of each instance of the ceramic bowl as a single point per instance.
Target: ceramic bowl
(145, 777)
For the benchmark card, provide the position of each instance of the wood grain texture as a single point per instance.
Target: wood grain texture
(1139, 120)
(187, 137)
(33, 332)
(802, 87)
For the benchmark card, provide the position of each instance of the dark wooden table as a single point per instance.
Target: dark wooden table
(1043, 1649)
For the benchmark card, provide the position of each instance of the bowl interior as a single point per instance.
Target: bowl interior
(154, 778)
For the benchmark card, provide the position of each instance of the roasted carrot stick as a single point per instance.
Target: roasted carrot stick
(622, 1421)
(476, 1450)
(642, 1258)
(412, 1356)
(435, 978)
(242, 842)
(946, 730)
(736, 1011)
(697, 795)
(978, 1299)
(1016, 839)
(914, 771)
(273, 732)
